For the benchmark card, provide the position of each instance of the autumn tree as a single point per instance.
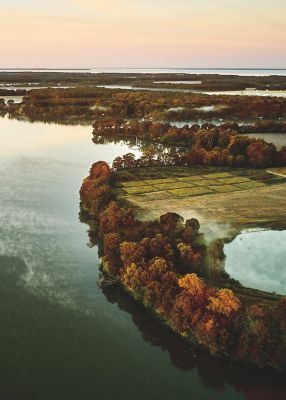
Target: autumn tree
(131, 252)
(260, 154)
(224, 302)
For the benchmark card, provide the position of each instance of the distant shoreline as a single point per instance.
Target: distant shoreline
(165, 70)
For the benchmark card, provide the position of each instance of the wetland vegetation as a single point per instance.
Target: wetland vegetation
(210, 174)
(208, 82)
(163, 264)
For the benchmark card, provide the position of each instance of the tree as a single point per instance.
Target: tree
(99, 169)
(171, 224)
(224, 302)
(112, 253)
(194, 285)
(132, 252)
(260, 154)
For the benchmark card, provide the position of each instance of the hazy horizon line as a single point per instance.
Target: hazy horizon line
(91, 68)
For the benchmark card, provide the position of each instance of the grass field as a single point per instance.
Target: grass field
(162, 183)
(240, 197)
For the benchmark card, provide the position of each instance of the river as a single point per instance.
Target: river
(62, 336)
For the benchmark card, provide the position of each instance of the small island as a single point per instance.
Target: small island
(165, 264)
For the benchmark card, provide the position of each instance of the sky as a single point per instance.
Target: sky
(142, 33)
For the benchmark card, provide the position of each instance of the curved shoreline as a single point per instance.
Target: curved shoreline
(251, 305)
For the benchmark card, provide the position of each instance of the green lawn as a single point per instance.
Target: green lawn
(188, 192)
(224, 188)
(173, 185)
(162, 183)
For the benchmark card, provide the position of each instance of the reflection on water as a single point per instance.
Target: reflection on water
(52, 141)
(61, 336)
(41, 169)
(213, 373)
(257, 260)
(143, 145)
(55, 350)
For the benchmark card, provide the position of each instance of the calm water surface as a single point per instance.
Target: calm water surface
(62, 336)
(258, 260)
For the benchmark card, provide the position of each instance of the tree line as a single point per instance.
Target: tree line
(161, 264)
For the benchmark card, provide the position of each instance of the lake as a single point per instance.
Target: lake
(258, 260)
(62, 336)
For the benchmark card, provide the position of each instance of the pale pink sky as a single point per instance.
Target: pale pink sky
(142, 33)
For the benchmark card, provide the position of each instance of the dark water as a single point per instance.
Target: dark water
(258, 260)
(61, 335)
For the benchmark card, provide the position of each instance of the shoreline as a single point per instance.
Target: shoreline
(95, 184)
